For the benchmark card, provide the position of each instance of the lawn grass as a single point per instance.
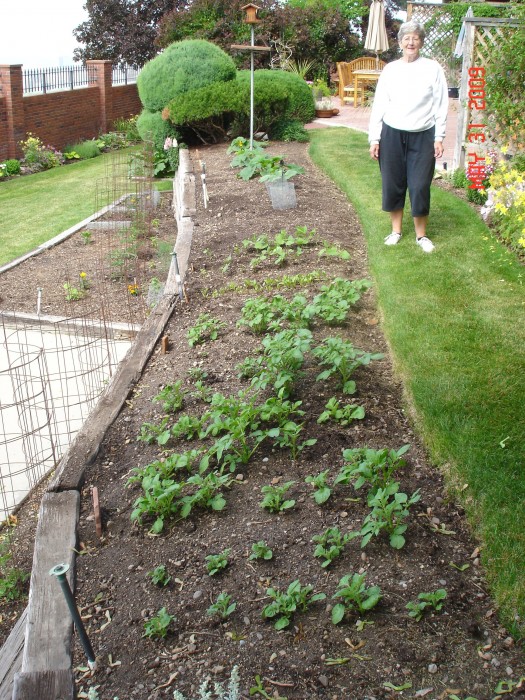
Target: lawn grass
(35, 208)
(454, 321)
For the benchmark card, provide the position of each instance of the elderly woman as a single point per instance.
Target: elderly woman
(406, 132)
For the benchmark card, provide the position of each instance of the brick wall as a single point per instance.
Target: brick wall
(126, 102)
(61, 118)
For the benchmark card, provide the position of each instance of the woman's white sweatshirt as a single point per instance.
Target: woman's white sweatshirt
(410, 97)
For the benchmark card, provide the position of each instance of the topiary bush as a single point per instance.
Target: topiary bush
(184, 66)
(279, 98)
(208, 111)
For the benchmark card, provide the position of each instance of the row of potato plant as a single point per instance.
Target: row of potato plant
(241, 427)
(240, 424)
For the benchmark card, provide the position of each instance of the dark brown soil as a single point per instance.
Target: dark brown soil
(460, 650)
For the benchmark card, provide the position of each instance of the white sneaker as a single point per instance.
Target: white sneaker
(425, 244)
(392, 238)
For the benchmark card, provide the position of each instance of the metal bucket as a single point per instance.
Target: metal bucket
(282, 194)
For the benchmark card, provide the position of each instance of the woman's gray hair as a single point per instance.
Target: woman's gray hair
(411, 27)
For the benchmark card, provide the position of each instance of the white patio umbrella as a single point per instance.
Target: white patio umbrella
(376, 36)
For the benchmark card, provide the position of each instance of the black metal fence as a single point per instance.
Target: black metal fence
(44, 80)
(123, 75)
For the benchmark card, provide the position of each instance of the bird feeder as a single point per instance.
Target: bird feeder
(251, 13)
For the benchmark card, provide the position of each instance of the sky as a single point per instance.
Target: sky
(39, 33)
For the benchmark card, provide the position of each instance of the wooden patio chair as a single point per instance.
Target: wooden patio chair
(346, 78)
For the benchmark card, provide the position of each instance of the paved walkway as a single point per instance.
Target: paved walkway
(358, 118)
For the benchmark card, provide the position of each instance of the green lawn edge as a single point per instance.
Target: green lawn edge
(454, 323)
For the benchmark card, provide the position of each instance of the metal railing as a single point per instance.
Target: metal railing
(123, 75)
(44, 80)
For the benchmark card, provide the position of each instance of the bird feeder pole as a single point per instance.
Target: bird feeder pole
(252, 43)
(251, 19)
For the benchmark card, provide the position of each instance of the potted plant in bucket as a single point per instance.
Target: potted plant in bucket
(324, 107)
(278, 181)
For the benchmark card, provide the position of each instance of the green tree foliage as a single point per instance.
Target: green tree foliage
(220, 21)
(122, 31)
(324, 31)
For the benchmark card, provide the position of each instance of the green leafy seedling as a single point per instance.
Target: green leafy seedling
(159, 576)
(274, 497)
(343, 415)
(322, 491)
(425, 601)
(217, 562)
(334, 251)
(259, 689)
(355, 596)
(260, 550)
(12, 579)
(376, 468)
(389, 510)
(157, 627)
(172, 397)
(205, 328)
(287, 435)
(150, 432)
(284, 605)
(330, 544)
(342, 359)
(222, 607)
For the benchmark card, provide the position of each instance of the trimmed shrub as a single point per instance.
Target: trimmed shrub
(283, 102)
(12, 167)
(86, 149)
(279, 97)
(207, 112)
(290, 130)
(152, 127)
(184, 66)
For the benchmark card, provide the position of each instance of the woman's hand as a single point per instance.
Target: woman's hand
(438, 149)
(374, 151)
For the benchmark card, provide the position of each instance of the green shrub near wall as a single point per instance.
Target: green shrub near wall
(152, 127)
(280, 98)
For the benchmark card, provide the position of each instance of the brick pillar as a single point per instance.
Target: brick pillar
(104, 83)
(12, 92)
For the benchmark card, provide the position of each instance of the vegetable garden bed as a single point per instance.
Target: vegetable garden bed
(225, 601)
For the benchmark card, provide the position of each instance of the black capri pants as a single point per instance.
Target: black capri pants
(406, 160)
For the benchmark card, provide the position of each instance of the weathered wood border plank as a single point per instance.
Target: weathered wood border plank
(11, 657)
(46, 671)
